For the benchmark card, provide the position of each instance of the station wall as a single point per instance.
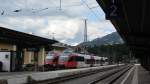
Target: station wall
(5, 55)
(28, 57)
(7, 47)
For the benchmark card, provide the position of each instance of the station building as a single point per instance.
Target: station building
(18, 48)
(60, 47)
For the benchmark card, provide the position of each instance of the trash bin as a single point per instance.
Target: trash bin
(1, 66)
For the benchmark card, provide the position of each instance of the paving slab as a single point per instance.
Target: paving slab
(143, 76)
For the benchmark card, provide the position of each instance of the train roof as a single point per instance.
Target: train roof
(87, 56)
(83, 55)
(104, 58)
(97, 57)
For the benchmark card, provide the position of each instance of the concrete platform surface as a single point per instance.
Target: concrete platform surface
(21, 77)
(143, 76)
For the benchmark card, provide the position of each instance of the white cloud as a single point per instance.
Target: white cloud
(63, 28)
(67, 24)
(99, 29)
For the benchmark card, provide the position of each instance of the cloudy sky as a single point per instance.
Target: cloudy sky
(46, 18)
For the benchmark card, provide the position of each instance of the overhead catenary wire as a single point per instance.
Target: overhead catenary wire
(94, 7)
(90, 9)
(40, 10)
(34, 10)
(18, 10)
(73, 5)
(60, 4)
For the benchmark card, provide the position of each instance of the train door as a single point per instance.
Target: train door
(71, 62)
(80, 61)
(55, 61)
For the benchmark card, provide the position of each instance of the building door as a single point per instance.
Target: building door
(5, 59)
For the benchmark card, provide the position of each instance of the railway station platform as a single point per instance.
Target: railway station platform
(143, 76)
(139, 75)
(23, 77)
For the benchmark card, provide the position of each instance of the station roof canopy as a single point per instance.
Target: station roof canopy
(131, 20)
(23, 39)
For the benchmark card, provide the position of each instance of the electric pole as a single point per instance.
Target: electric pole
(85, 35)
(60, 6)
(85, 31)
(53, 36)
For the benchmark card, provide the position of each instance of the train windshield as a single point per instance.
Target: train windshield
(63, 58)
(49, 57)
(68, 51)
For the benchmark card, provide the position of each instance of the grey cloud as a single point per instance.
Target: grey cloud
(35, 15)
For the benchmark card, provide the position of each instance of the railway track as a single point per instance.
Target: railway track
(105, 73)
(110, 77)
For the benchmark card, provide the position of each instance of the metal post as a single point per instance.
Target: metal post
(85, 31)
(60, 5)
(85, 35)
(53, 36)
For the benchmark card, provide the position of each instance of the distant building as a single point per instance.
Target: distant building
(60, 46)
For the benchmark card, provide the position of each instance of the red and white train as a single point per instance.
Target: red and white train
(73, 60)
(51, 60)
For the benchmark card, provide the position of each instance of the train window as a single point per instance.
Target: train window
(79, 58)
(49, 57)
(68, 51)
(97, 61)
(6, 56)
(71, 59)
(92, 61)
(88, 61)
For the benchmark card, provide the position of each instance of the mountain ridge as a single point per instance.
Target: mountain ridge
(110, 39)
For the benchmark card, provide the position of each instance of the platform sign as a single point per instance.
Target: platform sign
(114, 10)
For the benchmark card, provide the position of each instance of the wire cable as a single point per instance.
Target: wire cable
(90, 9)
